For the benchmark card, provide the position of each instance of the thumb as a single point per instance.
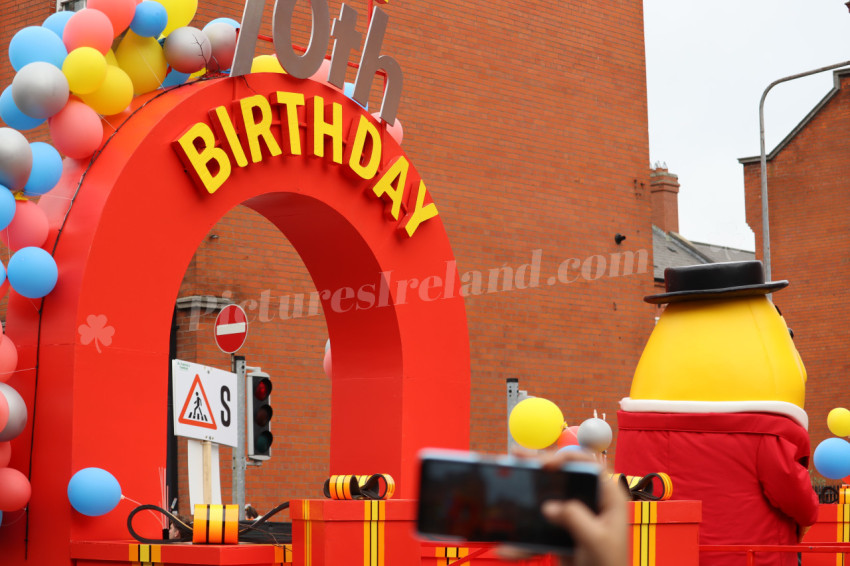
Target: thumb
(574, 516)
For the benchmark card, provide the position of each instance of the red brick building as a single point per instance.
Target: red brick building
(529, 127)
(809, 222)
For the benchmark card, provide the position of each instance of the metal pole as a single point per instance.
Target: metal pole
(238, 483)
(765, 221)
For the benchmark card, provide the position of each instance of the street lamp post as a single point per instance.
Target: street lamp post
(765, 221)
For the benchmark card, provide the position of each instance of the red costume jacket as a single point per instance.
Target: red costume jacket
(748, 469)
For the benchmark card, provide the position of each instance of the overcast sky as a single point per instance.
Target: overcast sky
(708, 63)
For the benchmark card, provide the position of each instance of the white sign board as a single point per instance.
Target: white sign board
(204, 402)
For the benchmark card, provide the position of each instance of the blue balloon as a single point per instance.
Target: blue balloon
(36, 43)
(94, 492)
(150, 19)
(174, 78)
(571, 448)
(56, 22)
(348, 90)
(46, 169)
(7, 207)
(230, 21)
(32, 272)
(11, 114)
(832, 458)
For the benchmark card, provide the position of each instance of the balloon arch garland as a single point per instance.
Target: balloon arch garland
(71, 72)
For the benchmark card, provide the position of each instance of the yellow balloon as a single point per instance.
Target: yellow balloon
(85, 69)
(143, 60)
(110, 58)
(114, 95)
(838, 421)
(197, 74)
(266, 64)
(536, 423)
(180, 13)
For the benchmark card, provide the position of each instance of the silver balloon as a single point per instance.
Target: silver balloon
(40, 90)
(15, 159)
(17, 413)
(594, 434)
(222, 38)
(187, 49)
(327, 345)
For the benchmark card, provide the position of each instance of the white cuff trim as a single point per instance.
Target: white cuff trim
(660, 406)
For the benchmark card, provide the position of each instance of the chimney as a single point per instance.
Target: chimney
(664, 190)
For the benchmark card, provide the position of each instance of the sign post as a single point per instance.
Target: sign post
(238, 461)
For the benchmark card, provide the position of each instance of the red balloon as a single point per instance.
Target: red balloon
(88, 28)
(567, 438)
(15, 489)
(326, 364)
(8, 359)
(5, 453)
(76, 130)
(119, 12)
(28, 227)
(4, 288)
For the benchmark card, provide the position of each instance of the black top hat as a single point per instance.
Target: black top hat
(715, 281)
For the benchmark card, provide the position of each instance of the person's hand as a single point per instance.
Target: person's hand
(601, 540)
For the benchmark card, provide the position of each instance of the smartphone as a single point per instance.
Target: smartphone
(471, 497)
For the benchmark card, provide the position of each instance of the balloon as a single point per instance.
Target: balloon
(536, 423)
(76, 130)
(13, 116)
(568, 437)
(222, 37)
(7, 210)
(88, 28)
(180, 13)
(36, 43)
(327, 364)
(119, 12)
(15, 489)
(838, 421)
(348, 90)
(321, 76)
(94, 492)
(174, 78)
(40, 90)
(28, 227)
(114, 95)
(229, 21)
(17, 418)
(46, 169)
(5, 452)
(187, 49)
(56, 21)
(594, 434)
(149, 19)
(143, 60)
(396, 131)
(32, 272)
(571, 448)
(85, 69)
(15, 159)
(327, 345)
(4, 416)
(8, 354)
(266, 64)
(832, 458)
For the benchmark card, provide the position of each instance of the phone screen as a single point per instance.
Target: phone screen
(494, 502)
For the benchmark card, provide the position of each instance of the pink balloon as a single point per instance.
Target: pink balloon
(396, 131)
(5, 453)
(88, 28)
(8, 358)
(567, 438)
(76, 130)
(119, 12)
(28, 227)
(4, 412)
(326, 364)
(15, 489)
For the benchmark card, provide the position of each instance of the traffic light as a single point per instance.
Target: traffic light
(259, 417)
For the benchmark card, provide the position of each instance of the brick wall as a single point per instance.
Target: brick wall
(809, 223)
(529, 127)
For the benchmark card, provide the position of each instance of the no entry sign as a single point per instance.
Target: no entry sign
(231, 329)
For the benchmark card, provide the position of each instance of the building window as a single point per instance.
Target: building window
(70, 5)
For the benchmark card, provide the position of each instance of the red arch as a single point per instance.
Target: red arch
(401, 372)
